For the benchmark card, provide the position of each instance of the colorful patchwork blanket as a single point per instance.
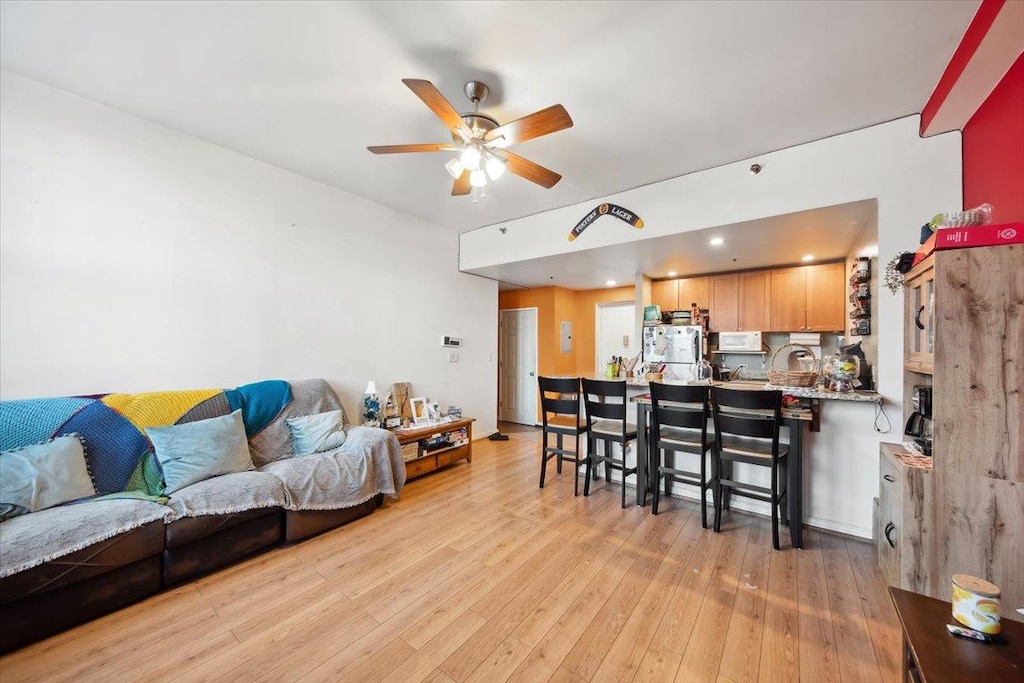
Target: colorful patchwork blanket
(113, 427)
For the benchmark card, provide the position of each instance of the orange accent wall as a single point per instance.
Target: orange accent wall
(554, 305)
(585, 323)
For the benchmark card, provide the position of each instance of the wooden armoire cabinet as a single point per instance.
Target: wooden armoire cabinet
(964, 335)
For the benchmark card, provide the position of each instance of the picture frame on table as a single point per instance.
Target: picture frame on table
(420, 410)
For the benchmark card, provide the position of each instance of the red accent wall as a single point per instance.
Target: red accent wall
(993, 146)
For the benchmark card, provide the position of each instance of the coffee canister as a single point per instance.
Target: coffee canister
(976, 603)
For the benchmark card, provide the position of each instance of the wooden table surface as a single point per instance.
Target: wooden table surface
(940, 656)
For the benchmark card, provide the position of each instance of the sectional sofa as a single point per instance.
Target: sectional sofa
(67, 564)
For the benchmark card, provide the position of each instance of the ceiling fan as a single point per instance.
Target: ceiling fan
(480, 141)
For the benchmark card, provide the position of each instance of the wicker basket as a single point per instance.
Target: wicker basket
(793, 378)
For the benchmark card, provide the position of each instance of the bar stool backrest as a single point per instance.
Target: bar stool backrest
(596, 393)
(753, 413)
(565, 399)
(680, 406)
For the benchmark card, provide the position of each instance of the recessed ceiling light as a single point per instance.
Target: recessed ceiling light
(672, 273)
(716, 241)
(610, 283)
(807, 257)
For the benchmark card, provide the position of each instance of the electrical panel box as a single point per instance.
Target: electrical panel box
(566, 337)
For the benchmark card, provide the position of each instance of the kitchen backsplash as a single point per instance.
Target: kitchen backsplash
(750, 366)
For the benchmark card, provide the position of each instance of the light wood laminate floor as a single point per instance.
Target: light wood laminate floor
(476, 575)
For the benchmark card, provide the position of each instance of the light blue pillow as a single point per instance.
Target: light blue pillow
(47, 474)
(317, 433)
(194, 451)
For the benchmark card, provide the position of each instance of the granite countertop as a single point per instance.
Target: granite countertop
(799, 392)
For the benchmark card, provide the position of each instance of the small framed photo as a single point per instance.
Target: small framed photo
(420, 410)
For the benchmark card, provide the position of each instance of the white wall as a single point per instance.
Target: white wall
(136, 258)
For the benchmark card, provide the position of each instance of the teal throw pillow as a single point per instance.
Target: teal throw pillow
(42, 476)
(317, 433)
(194, 451)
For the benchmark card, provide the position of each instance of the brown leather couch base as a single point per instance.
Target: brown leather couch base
(42, 615)
(87, 563)
(221, 548)
(300, 524)
(183, 531)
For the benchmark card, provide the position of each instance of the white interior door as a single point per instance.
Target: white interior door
(615, 333)
(517, 366)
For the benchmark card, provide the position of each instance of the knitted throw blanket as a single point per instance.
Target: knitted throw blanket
(113, 426)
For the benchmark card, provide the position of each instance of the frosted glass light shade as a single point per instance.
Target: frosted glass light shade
(477, 178)
(471, 157)
(495, 168)
(454, 168)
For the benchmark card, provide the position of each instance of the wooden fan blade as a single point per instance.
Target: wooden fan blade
(461, 185)
(401, 149)
(433, 98)
(550, 120)
(525, 168)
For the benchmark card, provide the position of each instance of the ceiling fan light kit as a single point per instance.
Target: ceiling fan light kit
(481, 142)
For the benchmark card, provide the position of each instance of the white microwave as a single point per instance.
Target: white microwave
(739, 341)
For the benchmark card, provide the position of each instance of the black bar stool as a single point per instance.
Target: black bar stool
(605, 404)
(679, 424)
(747, 424)
(560, 399)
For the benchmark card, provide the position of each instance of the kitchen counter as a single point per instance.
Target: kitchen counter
(798, 392)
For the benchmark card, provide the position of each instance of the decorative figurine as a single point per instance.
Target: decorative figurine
(371, 406)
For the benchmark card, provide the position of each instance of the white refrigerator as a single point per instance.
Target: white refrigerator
(677, 346)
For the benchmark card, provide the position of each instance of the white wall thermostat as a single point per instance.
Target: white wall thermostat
(453, 342)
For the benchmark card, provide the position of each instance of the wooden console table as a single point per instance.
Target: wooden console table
(931, 654)
(429, 460)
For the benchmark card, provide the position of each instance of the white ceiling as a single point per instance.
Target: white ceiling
(827, 234)
(656, 89)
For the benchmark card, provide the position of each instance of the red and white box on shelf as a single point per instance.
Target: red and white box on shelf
(979, 236)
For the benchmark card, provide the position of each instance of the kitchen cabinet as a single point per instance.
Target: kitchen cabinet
(788, 300)
(724, 303)
(739, 301)
(693, 290)
(826, 297)
(918, 318)
(665, 293)
(808, 298)
(677, 295)
(754, 300)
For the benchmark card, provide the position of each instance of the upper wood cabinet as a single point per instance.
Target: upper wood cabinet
(808, 298)
(693, 290)
(826, 297)
(677, 295)
(724, 304)
(788, 300)
(665, 293)
(754, 301)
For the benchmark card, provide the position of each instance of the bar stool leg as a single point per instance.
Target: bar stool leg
(784, 498)
(717, 462)
(775, 506)
(590, 465)
(625, 448)
(703, 491)
(657, 481)
(543, 456)
(607, 454)
(576, 468)
(558, 462)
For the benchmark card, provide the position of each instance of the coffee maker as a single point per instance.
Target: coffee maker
(919, 425)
